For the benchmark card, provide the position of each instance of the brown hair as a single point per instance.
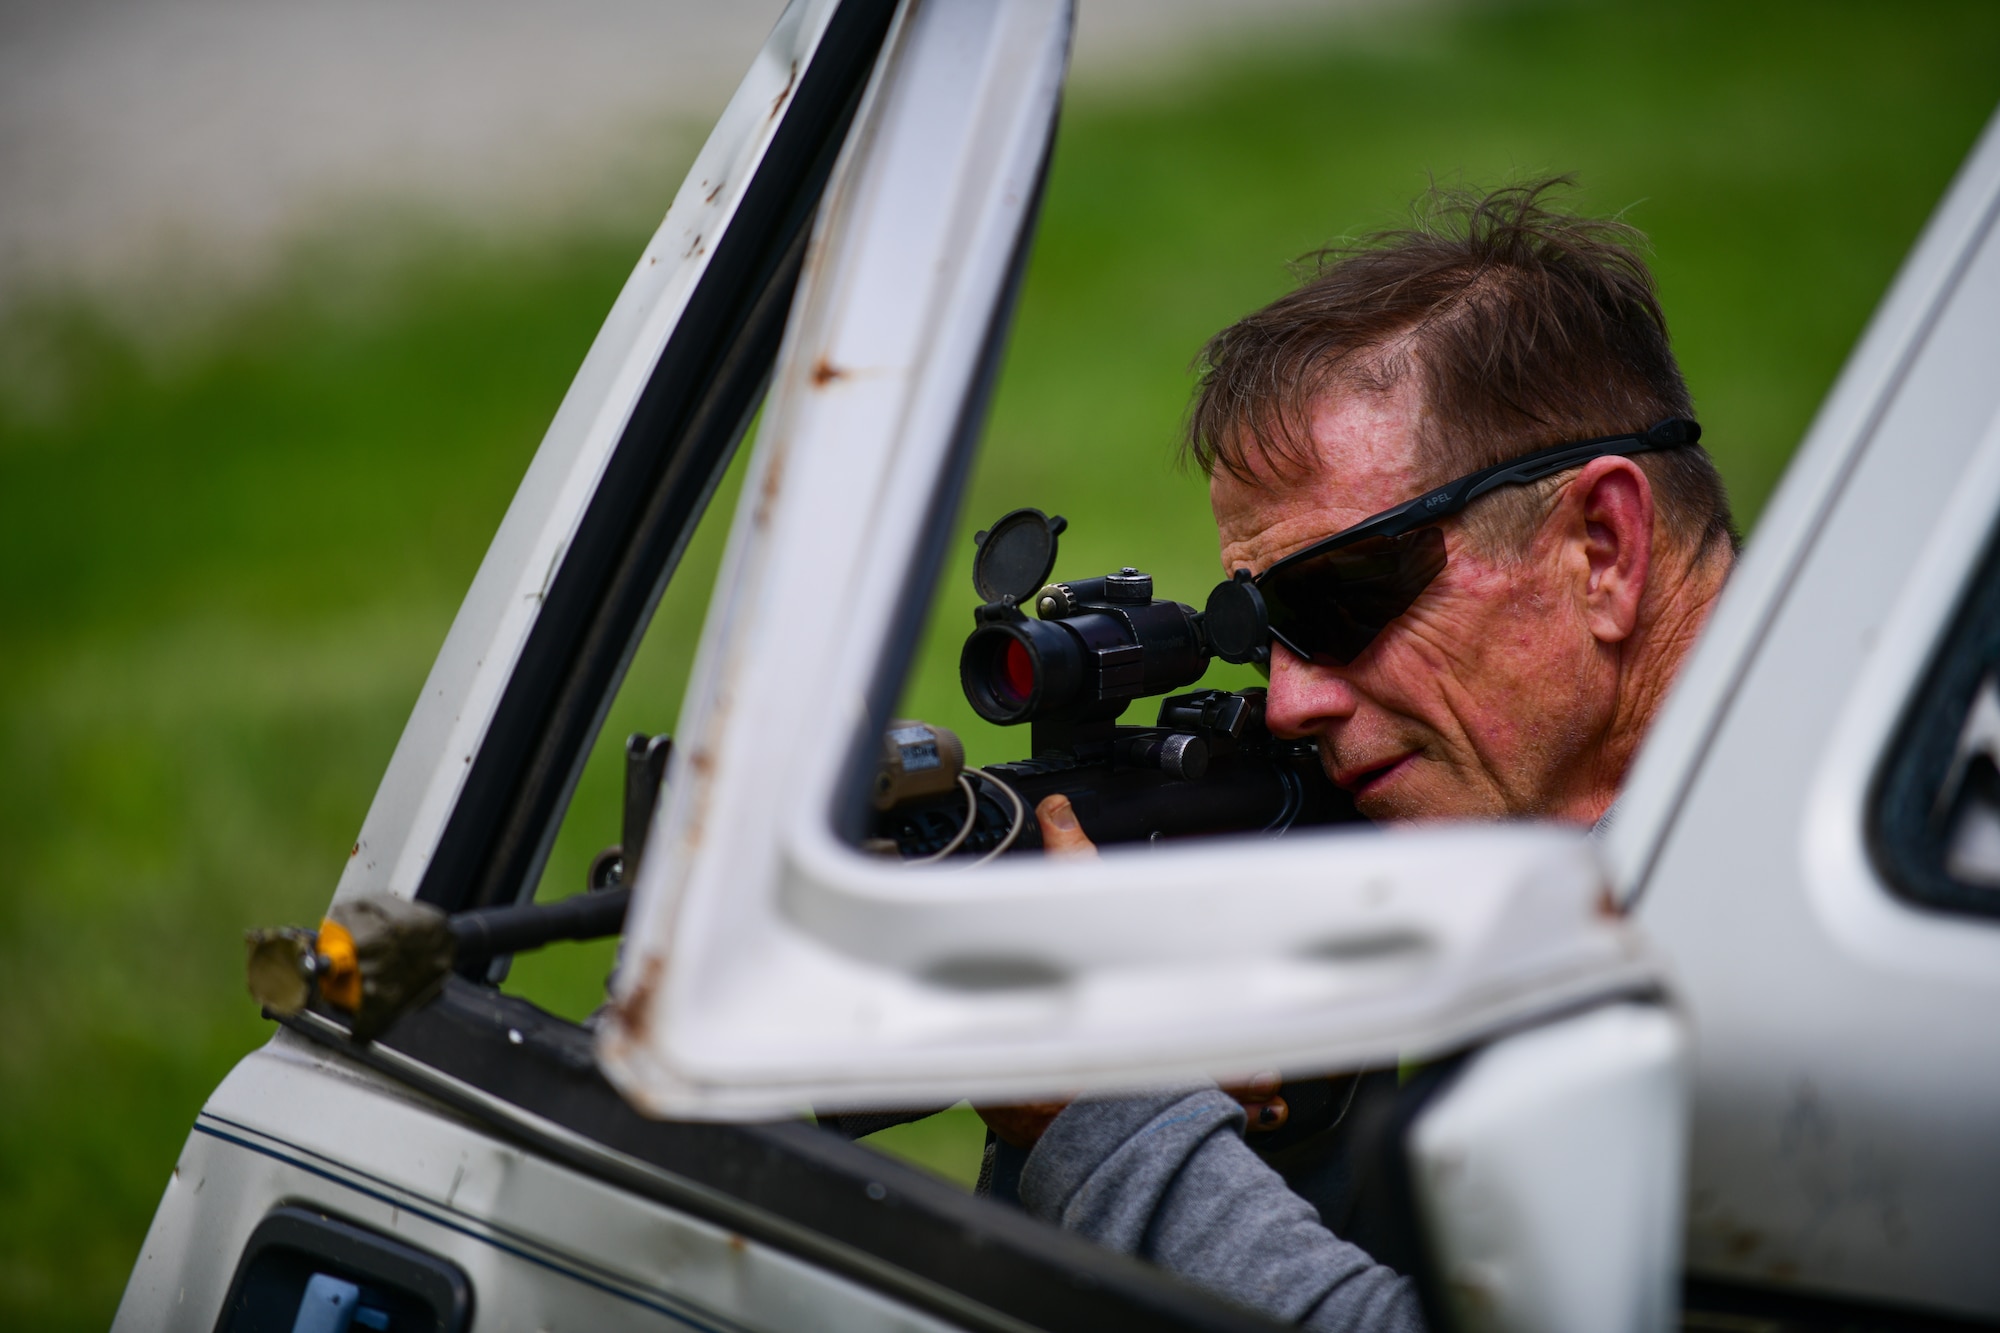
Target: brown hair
(1529, 326)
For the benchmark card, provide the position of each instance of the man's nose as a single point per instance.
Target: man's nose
(1305, 697)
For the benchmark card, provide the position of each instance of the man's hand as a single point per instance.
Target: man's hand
(1062, 835)
(1261, 1102)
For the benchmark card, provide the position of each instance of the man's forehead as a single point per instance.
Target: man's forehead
(1363, 461)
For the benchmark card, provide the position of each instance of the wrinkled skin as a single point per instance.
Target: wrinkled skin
(1518, 684)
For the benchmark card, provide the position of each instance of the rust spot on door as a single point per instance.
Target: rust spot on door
(633, 1011)
(785, 93)
(767, 496)
(824, 372)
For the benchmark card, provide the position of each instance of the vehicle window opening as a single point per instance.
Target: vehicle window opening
(1028, 696)
(1030, 699)
(376, 958)
(616, 789)
(1934, 822)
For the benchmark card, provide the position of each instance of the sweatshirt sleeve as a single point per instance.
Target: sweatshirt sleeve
(1167, 1177)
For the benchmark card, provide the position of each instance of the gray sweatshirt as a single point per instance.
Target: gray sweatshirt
(1167, 1176)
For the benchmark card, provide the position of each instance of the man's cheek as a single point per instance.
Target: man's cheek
(1427, 655)
(1430, 788)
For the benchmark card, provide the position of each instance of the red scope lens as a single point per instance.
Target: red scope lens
(1020, 670)
(1016, 671)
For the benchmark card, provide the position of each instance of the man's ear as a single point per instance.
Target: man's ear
(1611, 533)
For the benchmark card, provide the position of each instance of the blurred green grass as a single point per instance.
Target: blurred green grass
(230, 566)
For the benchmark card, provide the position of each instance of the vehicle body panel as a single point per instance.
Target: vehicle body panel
(1848, 1075)
(543, 1246)
(1566, 1140)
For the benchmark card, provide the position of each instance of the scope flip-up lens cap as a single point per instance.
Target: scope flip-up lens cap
(1016, 555)
(1236, 622)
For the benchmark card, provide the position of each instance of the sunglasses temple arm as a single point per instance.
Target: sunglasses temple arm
(1454, 496)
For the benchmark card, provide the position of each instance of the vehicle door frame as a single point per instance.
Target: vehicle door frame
(526, 1075)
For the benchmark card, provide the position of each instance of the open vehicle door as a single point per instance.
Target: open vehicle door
(470, 1161)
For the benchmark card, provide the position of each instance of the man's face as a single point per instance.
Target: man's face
(1480, 701)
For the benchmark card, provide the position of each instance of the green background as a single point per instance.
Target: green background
(233, 551)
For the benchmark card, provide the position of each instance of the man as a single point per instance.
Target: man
(1523, 661)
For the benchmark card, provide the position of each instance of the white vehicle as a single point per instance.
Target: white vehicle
(1734, 1068)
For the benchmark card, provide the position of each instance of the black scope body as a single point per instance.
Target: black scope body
(1098, 645)
(1207, 765)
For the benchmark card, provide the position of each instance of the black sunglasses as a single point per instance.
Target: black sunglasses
(1328, 602)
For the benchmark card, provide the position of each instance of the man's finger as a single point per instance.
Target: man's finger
(1259, 1097)
(1267, 1116)
(1062, 835)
